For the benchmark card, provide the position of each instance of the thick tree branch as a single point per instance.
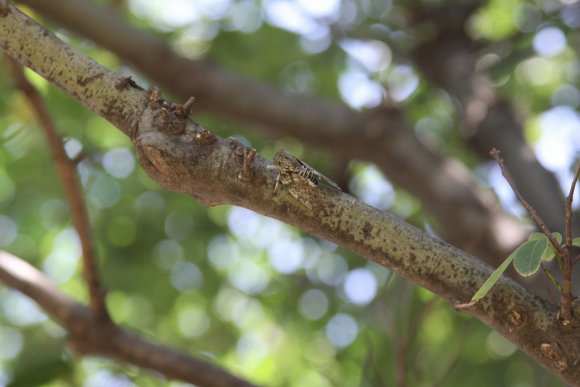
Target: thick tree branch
(183, 157)
(178, 163)
(73, 191)
(468, 215)
(92, 336)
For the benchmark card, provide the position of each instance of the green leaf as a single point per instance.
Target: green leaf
(529, 256)
(550, 252)
(538, 235)
(493, 278)
(535, 236)
(576, 241)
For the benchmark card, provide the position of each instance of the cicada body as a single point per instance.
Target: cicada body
(301, 181)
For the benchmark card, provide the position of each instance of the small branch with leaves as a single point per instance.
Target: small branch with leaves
(540, 247)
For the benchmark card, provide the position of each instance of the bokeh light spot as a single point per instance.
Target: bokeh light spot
(331, 269)
(11, 341)
(186, 276)
(178, 225)
(313, 304)
(167, 253)
(192, 321)
(61, 263)
(549, 42)
(242, 222)
(360, 286)
(249, 277)
(119, 162)
(286, 256)
(20, 310)
(104, 191)
(341, 330)
(8, 230)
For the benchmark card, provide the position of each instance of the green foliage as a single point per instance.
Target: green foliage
(232, 49)
(495, 21)
(526, 258)
(35, 367)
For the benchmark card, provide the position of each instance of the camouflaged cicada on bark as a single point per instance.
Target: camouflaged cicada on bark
(301, 180)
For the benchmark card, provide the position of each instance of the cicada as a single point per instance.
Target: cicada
(299, 178)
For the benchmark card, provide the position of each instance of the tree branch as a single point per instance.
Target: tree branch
(72, 189)
(467, 214)
(97, 337)
(78, 75)
(183, 157)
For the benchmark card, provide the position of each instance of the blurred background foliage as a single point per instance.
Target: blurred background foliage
(260, 298)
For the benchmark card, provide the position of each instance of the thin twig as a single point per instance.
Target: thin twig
(72, 189)
(566, 299)
(569, 200)
(567, 296)
(533, 214)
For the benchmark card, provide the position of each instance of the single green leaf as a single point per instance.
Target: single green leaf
(529, 256)
(538, 235)
(550, 252)
(493, 278)
(576, 241)
(535, 236)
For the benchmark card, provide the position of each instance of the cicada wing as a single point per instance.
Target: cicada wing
(320, 175)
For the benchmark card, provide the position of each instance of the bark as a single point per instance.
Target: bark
(468, 215)
(183, 157)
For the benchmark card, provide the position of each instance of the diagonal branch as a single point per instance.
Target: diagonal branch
(92, 336)
(468, 214)
(72, 189)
